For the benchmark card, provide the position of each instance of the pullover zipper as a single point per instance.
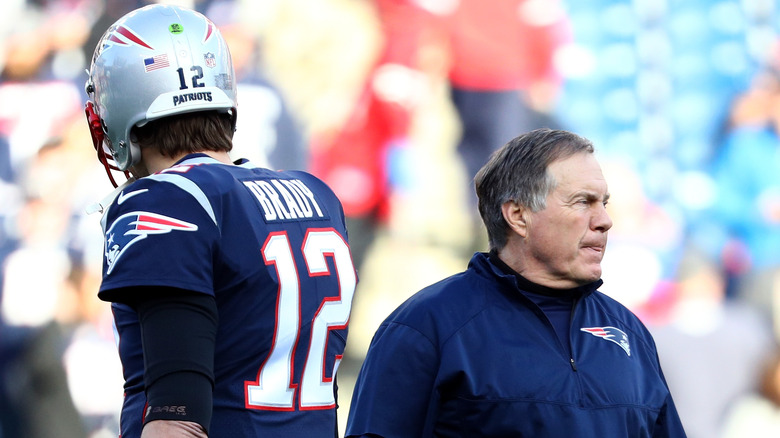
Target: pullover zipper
(571, 341)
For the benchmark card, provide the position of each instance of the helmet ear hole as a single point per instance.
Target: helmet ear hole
(129, 153)
(126, 154)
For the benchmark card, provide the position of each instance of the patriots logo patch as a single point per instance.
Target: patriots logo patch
(133, 227)
(611, 334)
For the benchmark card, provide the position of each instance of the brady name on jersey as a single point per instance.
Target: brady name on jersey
(285, 199)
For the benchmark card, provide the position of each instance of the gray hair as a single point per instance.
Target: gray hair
(518, 172)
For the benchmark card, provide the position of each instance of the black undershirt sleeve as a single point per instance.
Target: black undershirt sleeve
(178, 329)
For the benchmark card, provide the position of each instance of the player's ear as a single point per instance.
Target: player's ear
(515, 216)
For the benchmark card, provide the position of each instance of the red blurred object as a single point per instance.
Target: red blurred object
(495, 45)
(353, 160)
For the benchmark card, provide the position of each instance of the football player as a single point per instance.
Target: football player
(231, 285)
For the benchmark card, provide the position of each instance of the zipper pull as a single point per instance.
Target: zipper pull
(573, 365)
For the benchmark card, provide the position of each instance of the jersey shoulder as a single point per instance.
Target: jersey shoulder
(182, 193)
(444, 307)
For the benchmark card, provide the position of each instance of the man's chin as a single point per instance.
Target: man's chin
(590, 275)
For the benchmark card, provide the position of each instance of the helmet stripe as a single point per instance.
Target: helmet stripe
(209, 30)
(127, 33)
(116, 39)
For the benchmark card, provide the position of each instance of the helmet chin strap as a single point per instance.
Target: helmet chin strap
(98, 142)
(103, 156)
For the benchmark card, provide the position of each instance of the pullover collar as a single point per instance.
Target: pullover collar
(528, 286)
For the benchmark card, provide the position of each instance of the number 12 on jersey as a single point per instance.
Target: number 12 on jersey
(274, 388)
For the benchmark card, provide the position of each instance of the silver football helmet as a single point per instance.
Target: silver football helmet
(154, 62)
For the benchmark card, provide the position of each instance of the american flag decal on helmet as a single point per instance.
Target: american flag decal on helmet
(611, 334)
(124, 36)
(156, 63)
(133, 227)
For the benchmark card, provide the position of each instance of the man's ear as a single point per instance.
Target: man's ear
(515, 217)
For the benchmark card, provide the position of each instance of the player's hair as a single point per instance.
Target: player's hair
(518, 172)
(187, 133)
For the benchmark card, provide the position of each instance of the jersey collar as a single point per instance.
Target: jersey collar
(197, 158)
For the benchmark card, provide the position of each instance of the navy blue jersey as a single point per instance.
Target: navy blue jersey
(271, 247)
(473, 356)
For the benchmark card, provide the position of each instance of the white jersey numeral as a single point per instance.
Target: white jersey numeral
(274, 388)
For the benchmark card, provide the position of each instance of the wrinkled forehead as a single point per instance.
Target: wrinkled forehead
(580, 171)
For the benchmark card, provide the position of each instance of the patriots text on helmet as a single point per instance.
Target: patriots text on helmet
(191, 97)
(285, 199)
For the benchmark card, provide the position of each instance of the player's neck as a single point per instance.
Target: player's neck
(155, 162)
(220, 156)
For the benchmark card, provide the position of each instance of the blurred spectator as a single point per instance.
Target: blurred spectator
(267, 133)
(37, 97)
(502, 71)
(711, 348)
(643, 243)
(757, 415)
(55, 326)
(34, 392)
(32, 296)
(748, 185)
(34, 303)
(498, 60)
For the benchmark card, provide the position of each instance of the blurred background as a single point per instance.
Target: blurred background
(396, 104)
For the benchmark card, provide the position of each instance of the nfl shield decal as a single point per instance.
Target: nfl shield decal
(210, 60)
(133, 227)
